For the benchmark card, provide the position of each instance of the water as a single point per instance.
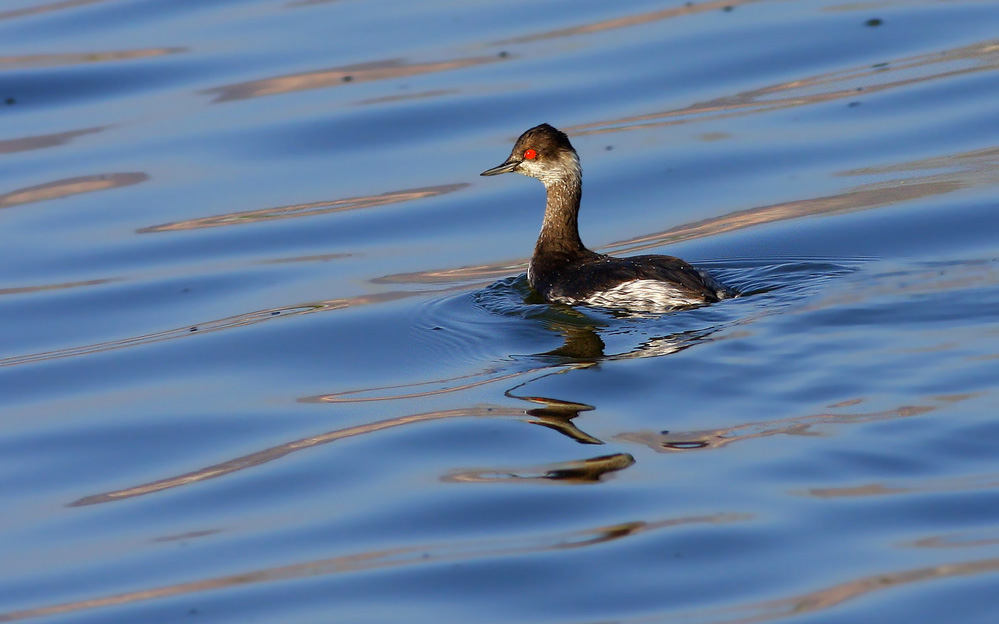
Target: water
(269, 353)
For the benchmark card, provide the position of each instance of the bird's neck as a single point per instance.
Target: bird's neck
(560, 230)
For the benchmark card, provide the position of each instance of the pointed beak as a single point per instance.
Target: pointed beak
(507, 167)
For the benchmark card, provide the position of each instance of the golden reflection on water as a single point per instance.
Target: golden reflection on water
(387, 69)
(312, 258)
(826, 598)
(305, 210)
(689, 8)
(275, 452)
(421, 555)
(20, 290)
(850, 83)
(975, 163)
(24, 61)
(957, 484)
(70, 186)
(239, 320)
(958, 540)
(41, 141)
(403, 97)
(554, 414)
(712, 439)
(47, 8)
(859, 198)
(965, 170)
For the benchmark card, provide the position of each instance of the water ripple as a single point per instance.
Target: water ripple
(388, 69)
(419, 556)
(851, 83)
(42, 141)
(58, 189)
(303, 210)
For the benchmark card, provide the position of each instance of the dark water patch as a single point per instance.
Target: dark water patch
(59, 87)
(513, 297)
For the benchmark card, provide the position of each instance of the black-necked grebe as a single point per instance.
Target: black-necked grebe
(565, 271)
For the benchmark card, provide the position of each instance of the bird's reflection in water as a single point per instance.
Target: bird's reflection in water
(556, 414)
(571, 472)
(582, 347)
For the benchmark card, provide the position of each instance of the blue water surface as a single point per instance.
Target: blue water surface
(269, 353)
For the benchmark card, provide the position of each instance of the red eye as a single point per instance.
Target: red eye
(530, 154)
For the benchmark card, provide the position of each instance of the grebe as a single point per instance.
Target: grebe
(563, 270)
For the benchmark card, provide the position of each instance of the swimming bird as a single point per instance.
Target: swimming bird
(563, 270)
